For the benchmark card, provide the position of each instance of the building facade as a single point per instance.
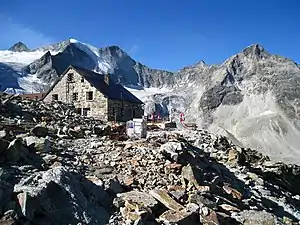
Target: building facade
(95, 95)
(33, 96)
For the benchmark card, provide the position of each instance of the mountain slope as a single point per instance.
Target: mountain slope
(44, 65)
(253, 96)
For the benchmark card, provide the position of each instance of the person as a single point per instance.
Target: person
(181, 117)
(152, 117)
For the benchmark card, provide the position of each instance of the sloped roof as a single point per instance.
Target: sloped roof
(112, 91)
(33, 96)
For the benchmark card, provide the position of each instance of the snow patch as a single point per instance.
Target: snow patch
(20, 57)
(72, 40)
(145, 93)
(93, 52)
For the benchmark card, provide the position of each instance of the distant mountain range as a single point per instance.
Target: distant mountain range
(253, 97)
(35, 70)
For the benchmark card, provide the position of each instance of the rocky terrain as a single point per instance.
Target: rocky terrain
(252, 97)
(57, 167)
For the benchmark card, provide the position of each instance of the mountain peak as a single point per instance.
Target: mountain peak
(72, 40)
(255, 50)
(114, 50)
(19, 47)
(201, 63)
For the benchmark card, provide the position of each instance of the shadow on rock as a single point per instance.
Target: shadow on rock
(57, 196)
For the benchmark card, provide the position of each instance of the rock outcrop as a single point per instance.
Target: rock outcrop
(19, 47)
(253, 96)
(112, 60)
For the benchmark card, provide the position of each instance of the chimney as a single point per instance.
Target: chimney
(106, 79)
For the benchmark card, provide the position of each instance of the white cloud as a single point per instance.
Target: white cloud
(133, 49)
(12, 32)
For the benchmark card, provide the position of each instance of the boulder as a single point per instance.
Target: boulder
(6, 191)
(76, 132)
(8, 220)
(40, 131)
(190, 174)
(202, 201)
(172, 149)
(141, 198)
(102, 130)
(164, 198)
(39, 144)
(3, 146)
(253, 217)
(57, 196)
(179, 218)
(138, 206)
(208, 217)
(115, 186)
(235, 157)
(3, 133)
(16, 152)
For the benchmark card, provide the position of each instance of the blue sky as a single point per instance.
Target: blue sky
(165, 34)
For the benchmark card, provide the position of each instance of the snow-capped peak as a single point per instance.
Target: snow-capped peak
(93, 52)
(72, 40)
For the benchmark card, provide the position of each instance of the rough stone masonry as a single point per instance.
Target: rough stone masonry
(94, 97)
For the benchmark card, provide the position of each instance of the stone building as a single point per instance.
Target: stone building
(95, 95)
(33, 96)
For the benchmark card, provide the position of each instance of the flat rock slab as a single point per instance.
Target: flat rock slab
(140, 198)
(253, 217)
(164, 198)
(179, 218)
(209, 217)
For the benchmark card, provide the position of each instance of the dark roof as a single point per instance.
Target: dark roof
(33, 96)
(112, 91)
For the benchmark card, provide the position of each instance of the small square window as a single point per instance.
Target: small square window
(85, 111)
(89, 95)
(75, 96)
(55, 97)
(82, 79)
(70, 77)
(78, 111)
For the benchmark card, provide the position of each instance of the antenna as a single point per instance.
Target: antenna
(170, 113)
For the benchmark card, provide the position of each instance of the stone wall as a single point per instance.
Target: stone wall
(123, 111)
(97, 107)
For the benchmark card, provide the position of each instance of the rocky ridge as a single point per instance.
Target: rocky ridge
(19, 47)
(56, 164)
(253, 96)
(51, 61)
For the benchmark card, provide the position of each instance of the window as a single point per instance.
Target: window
(75, 96)
(78, 111)
(82, 79)
(89, 95)
(71, 77)
(85, 111)
(54, 97)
